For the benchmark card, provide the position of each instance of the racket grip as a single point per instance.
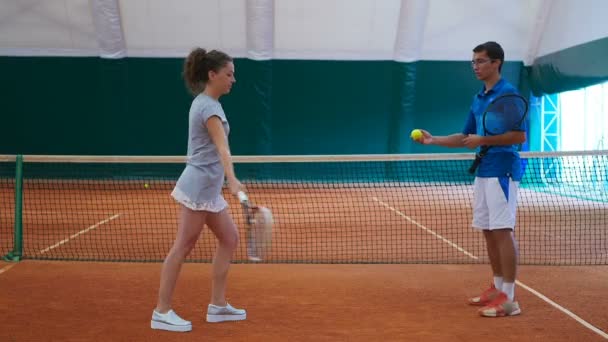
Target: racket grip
(242, 197)
(475, 164)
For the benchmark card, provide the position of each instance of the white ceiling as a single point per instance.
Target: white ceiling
(304, 29)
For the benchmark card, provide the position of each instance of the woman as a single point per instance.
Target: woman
(199, 190)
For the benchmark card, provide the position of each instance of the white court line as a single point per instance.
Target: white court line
(526, 287)
(6, 268)
(419, 225)
(564, 310)
(44, 212)
(84, 231)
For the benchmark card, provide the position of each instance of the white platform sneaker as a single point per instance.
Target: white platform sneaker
(169, 321)
(226, 313)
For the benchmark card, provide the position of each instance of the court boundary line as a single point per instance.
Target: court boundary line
(524, 286)
(569, 313)
(6, 268)
(84, 231)
(427, 230)
(85, 212)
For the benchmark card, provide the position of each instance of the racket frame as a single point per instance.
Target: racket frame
(248, 209)
(485, 148)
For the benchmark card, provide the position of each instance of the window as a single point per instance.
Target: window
(584, 118)
(575, 120)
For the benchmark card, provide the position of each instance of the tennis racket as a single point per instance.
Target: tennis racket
(505, 113)
(258, 231)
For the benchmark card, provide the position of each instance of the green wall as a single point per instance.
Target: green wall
(139, 106)
(573, 68)
(92, 106)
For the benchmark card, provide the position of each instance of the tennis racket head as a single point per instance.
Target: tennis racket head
(258, 230)
(505, 113)
(259, 237)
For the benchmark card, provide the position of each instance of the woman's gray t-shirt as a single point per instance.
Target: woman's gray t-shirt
(200, 184)
(201, 149)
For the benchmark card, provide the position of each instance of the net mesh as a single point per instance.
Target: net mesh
(7, 204)
(327, 209)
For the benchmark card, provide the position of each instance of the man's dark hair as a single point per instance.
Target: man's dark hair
(493, 50)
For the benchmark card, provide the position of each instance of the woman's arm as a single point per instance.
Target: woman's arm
(216, 131)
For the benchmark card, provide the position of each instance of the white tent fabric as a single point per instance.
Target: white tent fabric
(47, 28)
(538, 30)
(106, 16)
(260, 29)
(410, 30)
(572, 22)
(403, 30)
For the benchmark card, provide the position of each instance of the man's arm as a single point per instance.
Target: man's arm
(453, 140)
(509, 138)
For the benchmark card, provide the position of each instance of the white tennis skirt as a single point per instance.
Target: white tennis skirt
(201, 188)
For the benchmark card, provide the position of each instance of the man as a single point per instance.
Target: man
(496, 182)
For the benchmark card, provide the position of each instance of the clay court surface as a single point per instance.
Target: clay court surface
(440, 262)
(81, 301)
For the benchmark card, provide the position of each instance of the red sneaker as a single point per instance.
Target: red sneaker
(486, 297)
(501, 306)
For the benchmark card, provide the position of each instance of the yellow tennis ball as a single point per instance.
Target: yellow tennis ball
(416, 134)
(146, 185)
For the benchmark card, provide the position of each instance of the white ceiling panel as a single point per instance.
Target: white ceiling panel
(311, 29)
(51, 24)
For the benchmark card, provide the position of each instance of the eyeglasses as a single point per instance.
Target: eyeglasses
(480, 61)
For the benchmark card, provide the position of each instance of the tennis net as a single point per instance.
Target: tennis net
(327, 209)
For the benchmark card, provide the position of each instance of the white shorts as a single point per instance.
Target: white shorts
(494, 203)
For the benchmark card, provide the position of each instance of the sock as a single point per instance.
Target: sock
(498, 282)
(509, 289)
